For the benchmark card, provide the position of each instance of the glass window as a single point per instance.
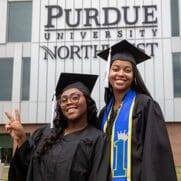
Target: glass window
(175, 17)
(6, 78)
(6, 145)
(26, 79)
(19, 21)
(177, 74)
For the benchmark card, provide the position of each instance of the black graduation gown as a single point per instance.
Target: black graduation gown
(79, 156)
(151, 156)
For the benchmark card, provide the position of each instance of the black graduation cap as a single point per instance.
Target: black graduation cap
(124, 47)
(83, 82)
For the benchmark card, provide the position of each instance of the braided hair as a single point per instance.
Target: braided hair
(61, 122)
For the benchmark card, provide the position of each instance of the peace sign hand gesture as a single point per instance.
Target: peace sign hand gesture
(15, 128)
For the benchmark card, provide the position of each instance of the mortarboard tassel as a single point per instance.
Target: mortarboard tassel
(106, 80)
(53, 115)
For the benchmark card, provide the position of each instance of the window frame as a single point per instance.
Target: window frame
(8, 37)
(23, 81)
(11, 74)
(176, 92)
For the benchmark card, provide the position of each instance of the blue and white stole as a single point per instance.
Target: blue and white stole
(120, 157)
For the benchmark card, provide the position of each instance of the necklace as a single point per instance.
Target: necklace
(116, 108)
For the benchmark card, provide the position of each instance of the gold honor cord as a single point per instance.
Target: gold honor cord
(129, 140)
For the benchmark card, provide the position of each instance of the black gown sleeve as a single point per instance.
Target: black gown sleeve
(156, 156)
(20, 162)
(100, 170)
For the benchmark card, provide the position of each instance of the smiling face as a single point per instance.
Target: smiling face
(73, 105)
(121, 75)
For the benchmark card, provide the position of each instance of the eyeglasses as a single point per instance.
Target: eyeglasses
(74, 98)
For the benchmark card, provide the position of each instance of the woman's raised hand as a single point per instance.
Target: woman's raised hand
(15, 128)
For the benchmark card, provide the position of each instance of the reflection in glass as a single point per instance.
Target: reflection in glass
(6, 78)
(19, 21)
(177, 74)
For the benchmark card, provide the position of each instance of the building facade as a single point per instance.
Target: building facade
(39, 39)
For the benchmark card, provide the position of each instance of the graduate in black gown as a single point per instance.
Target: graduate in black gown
(140, 147)
(74, 149)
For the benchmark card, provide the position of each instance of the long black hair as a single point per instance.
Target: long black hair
(60, 123)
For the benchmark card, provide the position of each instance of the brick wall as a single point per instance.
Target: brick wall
(174, 131)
